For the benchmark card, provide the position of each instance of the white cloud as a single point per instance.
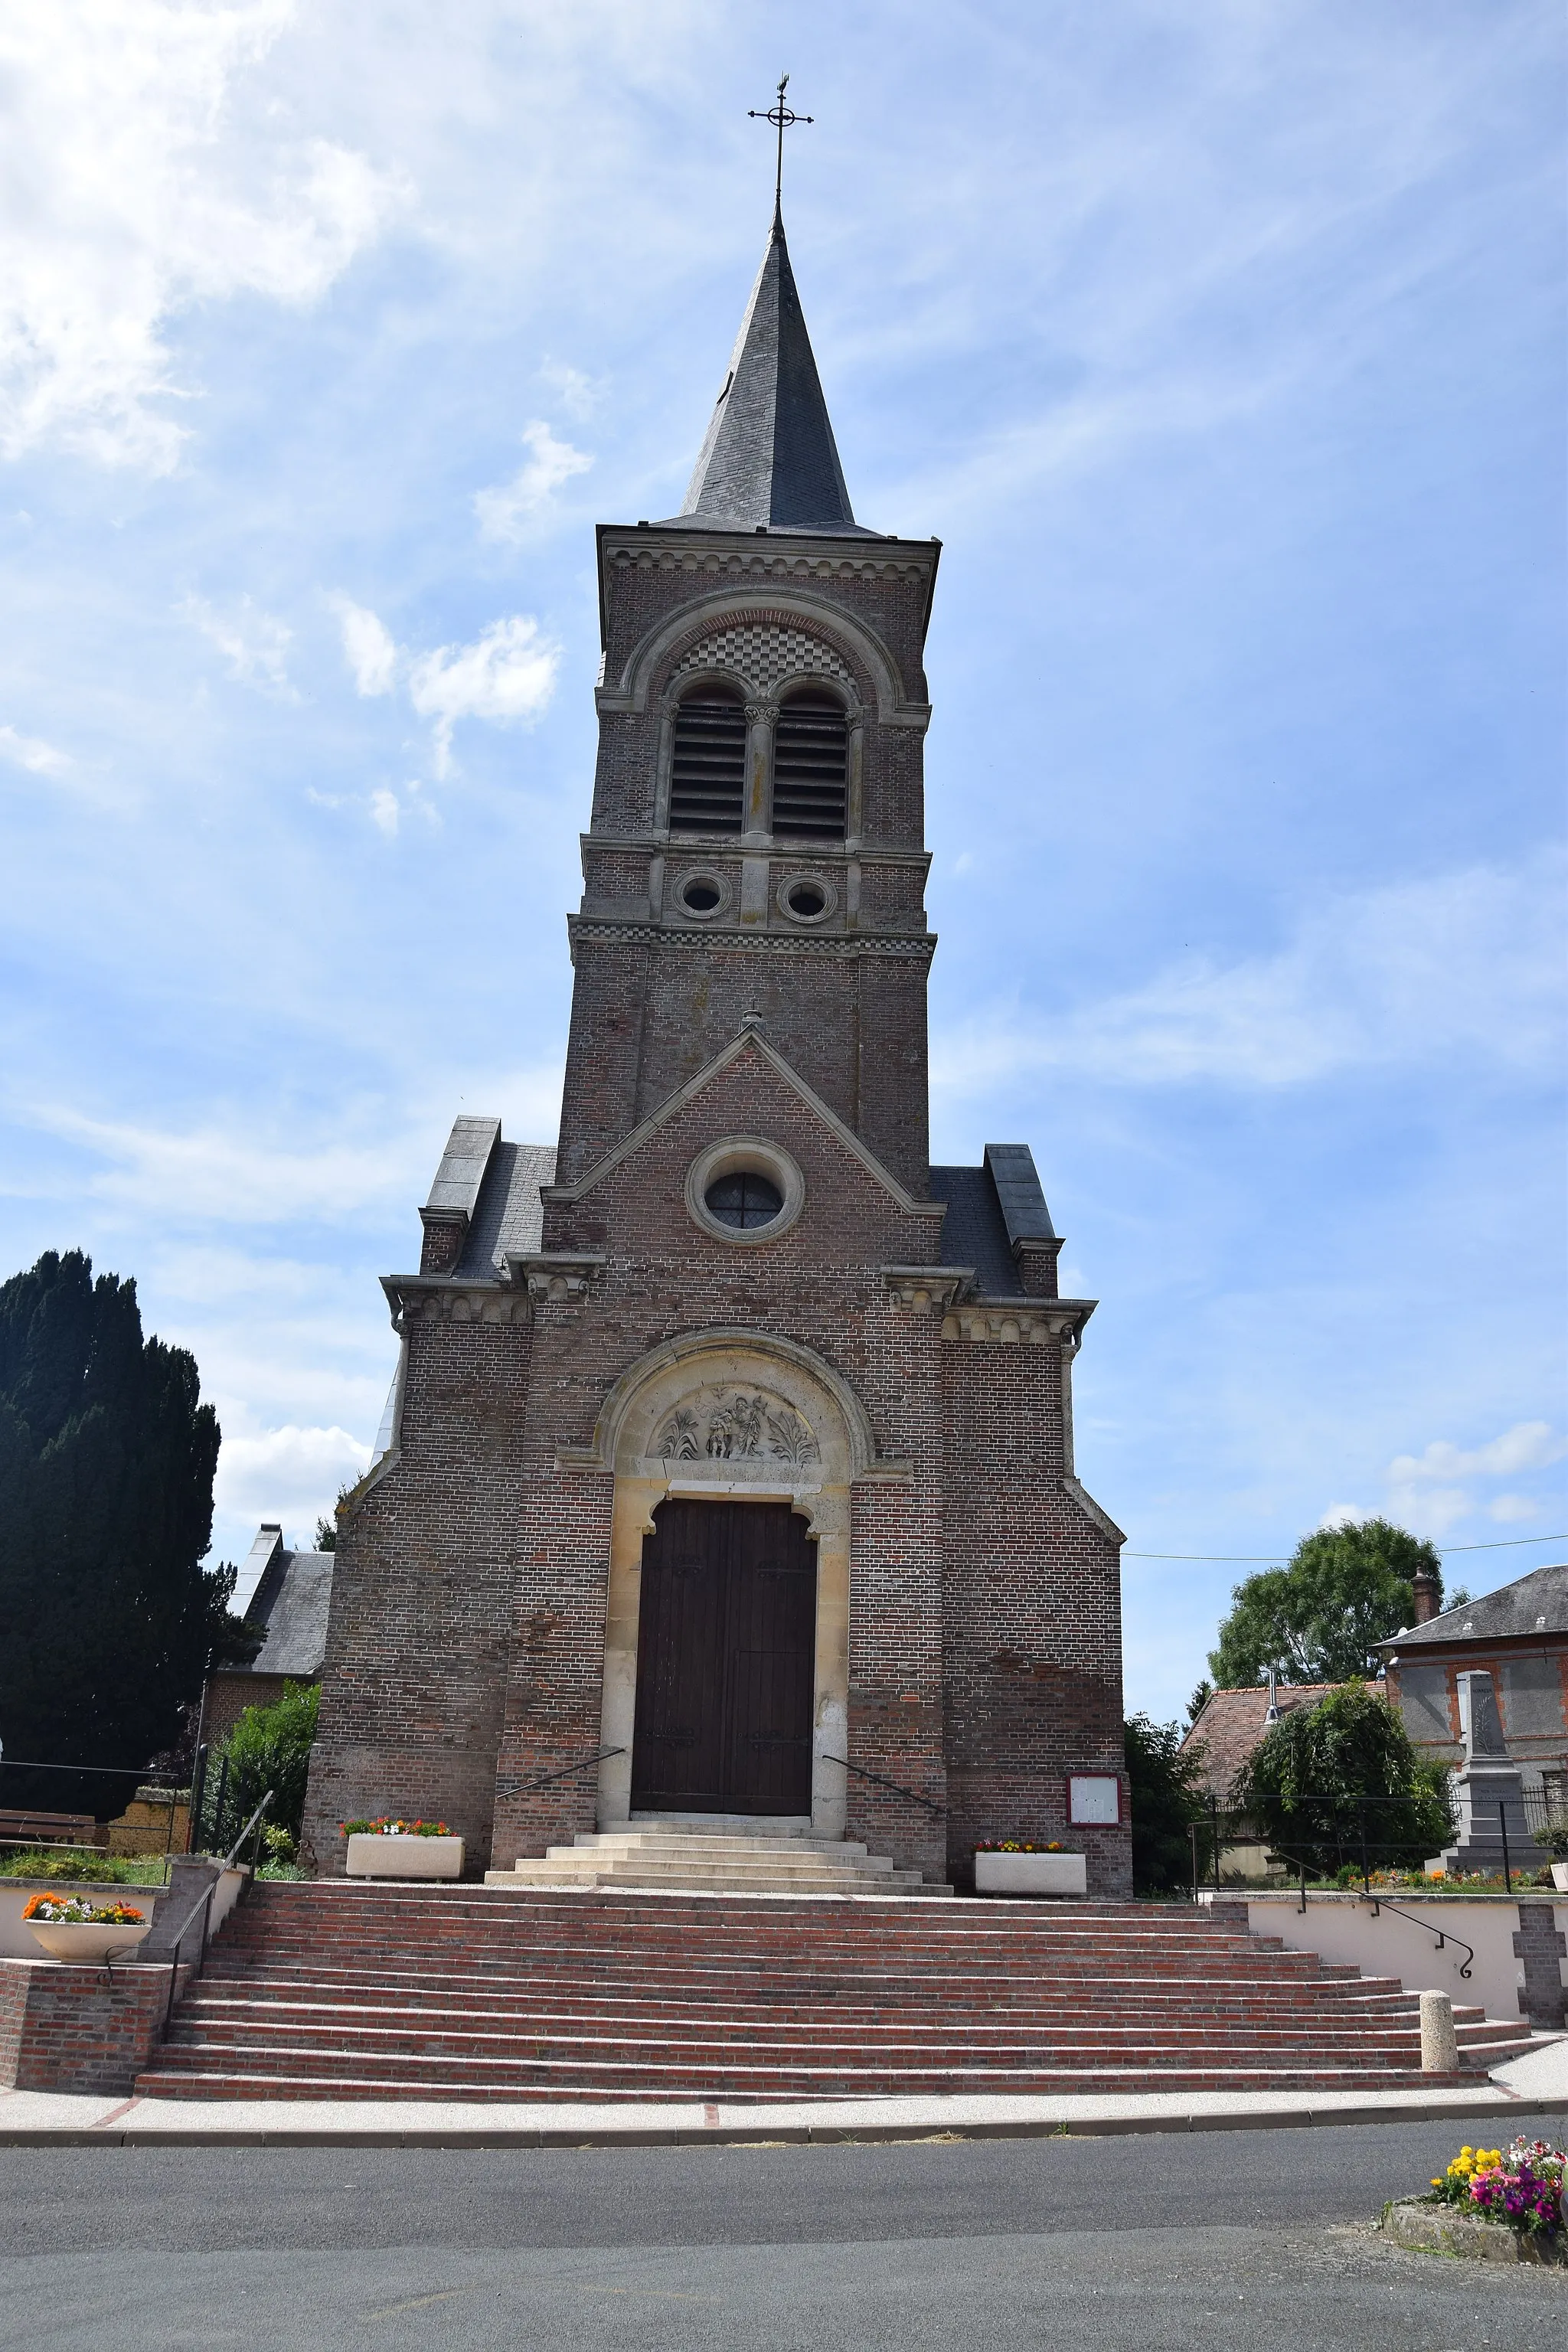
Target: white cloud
(1528, 1446)
(385, 811)
(30, 751)
(578, 394)
(508, 676)
(505, 510)
(291, 1473)
(1511, 1510)
(132, 193)
(368, 648)
(253, 643)
(1429, 1510)
(1343, 1515)
(230, 1174)
(1465, 964)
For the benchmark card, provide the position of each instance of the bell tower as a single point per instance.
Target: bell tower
(757, 845)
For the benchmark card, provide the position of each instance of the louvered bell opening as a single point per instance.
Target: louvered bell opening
(811, 754)
(708, 781)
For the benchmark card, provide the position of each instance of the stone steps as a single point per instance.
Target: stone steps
(716, 1860)
(349, 1990)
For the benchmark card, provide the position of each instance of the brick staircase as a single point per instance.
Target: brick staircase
(335, 1990)
(716, 1855)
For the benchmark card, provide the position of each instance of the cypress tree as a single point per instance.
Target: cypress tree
(107, 1455)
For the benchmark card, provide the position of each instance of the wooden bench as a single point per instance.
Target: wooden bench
(47, 1828)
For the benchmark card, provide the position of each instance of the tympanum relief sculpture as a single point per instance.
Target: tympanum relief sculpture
(736, 1426)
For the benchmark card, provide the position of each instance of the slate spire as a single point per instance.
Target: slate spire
(768, 456)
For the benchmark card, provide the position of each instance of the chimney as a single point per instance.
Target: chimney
(1428, 1592)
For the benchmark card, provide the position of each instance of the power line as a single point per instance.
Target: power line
(1272, 1560)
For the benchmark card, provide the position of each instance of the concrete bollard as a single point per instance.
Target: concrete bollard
(1439, 2050)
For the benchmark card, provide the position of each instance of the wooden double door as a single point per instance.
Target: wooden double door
(726, 1661)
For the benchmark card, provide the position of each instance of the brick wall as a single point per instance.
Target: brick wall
(414, 1681)
(70, 2028)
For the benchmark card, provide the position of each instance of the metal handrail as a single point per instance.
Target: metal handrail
(898, 1790)
(204, 1904)
(1443, 1936)
(566, 1772)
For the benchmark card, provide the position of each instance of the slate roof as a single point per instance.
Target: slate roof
(974, 1231)
(769, 458)
(1536, 1604)
(988, 1209)
(1232, 1725)
(289, 1605)
(507, 1213)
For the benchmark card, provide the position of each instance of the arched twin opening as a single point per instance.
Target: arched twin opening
(780, 770)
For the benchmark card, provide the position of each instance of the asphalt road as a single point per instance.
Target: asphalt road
(1223, 2238)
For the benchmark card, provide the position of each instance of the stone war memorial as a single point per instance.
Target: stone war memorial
(729, 1471)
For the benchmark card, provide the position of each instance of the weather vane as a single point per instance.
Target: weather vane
(783, 117)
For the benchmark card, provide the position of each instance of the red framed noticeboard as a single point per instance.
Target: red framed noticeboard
(1094, 1800)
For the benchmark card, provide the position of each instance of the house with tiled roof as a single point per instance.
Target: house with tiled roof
(1519, 1635)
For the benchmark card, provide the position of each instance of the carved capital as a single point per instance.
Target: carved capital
(556, 1274)
(927, 1289)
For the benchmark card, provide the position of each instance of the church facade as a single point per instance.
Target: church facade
(729, 1464)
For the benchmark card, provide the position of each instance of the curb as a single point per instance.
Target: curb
(757, 2132)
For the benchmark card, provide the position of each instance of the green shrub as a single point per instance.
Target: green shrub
(1331, 1782)
(1165, 1805)
(270, 1747)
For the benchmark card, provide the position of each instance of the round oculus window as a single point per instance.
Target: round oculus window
(701, 894)
(807, 898)
(744, 1200)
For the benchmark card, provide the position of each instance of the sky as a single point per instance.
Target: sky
(1222, 347)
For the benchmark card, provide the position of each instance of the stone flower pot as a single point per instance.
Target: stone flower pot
(1030, 1874)
(403, 1857)
(86, 1939)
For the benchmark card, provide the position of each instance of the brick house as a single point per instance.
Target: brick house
(729, 1469)
(1519, 1635)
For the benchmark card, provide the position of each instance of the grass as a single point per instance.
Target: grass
(63, 1865)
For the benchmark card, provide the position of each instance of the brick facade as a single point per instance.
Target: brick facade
(484, 1610)
(67, 2027)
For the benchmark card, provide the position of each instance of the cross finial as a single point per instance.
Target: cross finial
(783, 116)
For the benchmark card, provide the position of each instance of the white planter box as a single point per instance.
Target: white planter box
(1559, 1876)
(1030, 1874)
(405, 1857)
(84, 1940)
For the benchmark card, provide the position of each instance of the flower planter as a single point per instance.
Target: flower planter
(1030, 1874)
(1559, 1876)
(87, 1940)
(371, 1856)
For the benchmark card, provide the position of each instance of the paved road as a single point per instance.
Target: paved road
(1224, 2240)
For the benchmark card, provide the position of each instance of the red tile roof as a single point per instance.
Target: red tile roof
(1231, 1725)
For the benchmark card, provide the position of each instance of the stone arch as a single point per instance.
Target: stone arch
(842, 632)
(738, 1415)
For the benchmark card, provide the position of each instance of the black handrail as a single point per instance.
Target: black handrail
(1443, 1936)
(204, 1904)
(898, 1791)
(566, 1772)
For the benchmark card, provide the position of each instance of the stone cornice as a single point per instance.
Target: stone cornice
(451, 1298)
(777, 849)
(1020, 1322)
(919, 948)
